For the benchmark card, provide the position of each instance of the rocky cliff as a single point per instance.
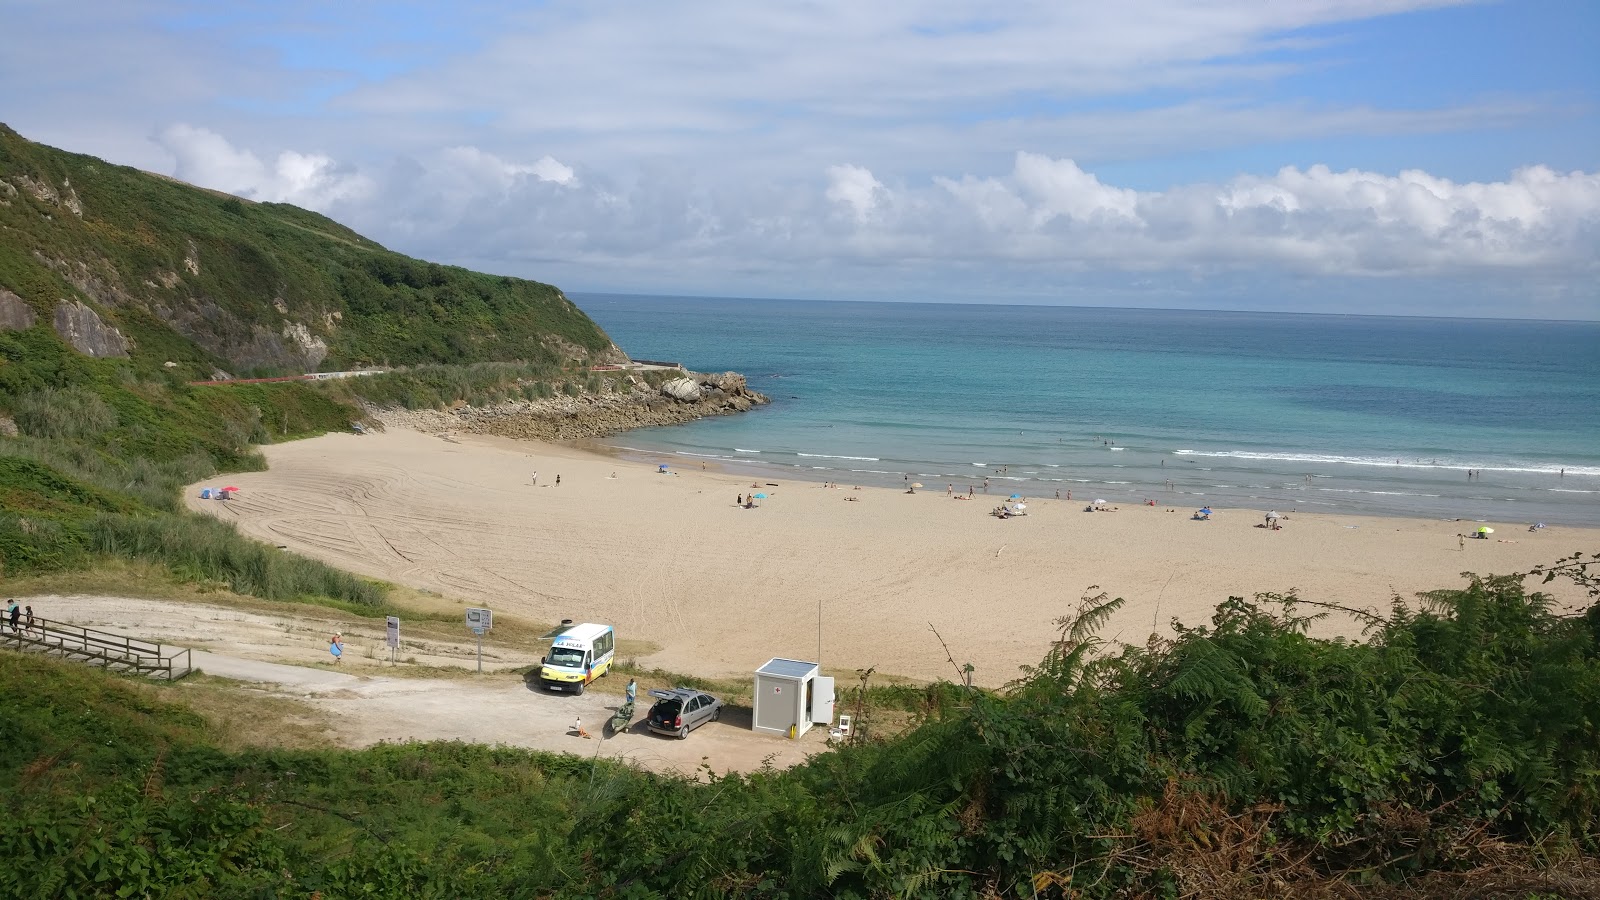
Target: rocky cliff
(590, 415)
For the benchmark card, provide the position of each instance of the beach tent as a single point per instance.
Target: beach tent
(662, 468)
(790, 697)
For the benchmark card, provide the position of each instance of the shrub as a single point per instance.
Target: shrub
(67, 413)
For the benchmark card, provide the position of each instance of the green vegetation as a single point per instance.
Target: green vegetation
(1454, 752)
(102, 454)
(205, 280)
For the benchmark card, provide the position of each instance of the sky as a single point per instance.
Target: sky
(1412, 157)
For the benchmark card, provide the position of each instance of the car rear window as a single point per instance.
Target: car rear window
(666, 708)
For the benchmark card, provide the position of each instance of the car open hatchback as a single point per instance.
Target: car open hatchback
(677, 711)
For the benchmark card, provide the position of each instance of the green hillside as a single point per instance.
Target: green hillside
(118, 288)
(209, 281)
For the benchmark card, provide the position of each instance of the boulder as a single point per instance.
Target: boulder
(686, 390)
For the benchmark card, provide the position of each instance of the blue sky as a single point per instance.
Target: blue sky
(1409, 156)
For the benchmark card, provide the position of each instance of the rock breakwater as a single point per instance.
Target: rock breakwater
(566, 418)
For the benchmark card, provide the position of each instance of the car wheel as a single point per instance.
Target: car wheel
(716, 714)
(683, 732)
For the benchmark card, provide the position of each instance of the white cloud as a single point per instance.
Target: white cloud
(311, 180)
(1046, 212)
(855, 188)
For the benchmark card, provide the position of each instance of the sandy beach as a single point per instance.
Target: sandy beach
(670, 558)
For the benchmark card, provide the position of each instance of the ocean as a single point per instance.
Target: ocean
(1343, 414)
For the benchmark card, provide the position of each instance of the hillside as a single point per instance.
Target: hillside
(123, 263)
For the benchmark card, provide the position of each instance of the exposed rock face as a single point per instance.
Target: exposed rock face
(685, 389)
(586, 416)
(15, 313)
(225, 335)
(313, 348)
(8, 427)
(79, 326)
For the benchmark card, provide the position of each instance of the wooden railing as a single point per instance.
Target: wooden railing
(117, 652)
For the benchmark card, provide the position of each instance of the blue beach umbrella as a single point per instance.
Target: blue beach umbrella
(759, 496)
(1016, 496)
(1205, 510)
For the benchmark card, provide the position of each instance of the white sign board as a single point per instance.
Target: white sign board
(479, 620)
(393, 639)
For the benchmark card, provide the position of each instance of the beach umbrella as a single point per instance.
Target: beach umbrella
(1019, 506)
(1205, 510)
(1486, 530)
(759, 496)
(1016, 496)
(916, 484)
(230, 488)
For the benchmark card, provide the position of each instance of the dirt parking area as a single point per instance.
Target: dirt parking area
(358, 705)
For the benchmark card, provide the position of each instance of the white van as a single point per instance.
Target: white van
(578, 656)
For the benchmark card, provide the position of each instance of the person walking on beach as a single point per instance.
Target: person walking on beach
(336, 646)
(558, 479)
(739, 500)
(986, 485)
(949, 490)
(1461, 542)
(535, 477)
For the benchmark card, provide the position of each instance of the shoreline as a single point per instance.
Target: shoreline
(1422, 492)
(720, 589)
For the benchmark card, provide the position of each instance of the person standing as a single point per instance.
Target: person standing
(632, 690)
(13, 614)
(336, 646)
(558, 479)
(535, 477)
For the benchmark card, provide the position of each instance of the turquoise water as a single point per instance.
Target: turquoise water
(1329, 413)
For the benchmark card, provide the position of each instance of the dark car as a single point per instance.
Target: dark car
(681, 710)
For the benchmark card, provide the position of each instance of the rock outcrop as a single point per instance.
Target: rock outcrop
(81, 327)
(684, 389)
(587, 415)
(15, 313)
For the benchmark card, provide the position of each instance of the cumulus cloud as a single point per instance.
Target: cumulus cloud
(1045, 212)
(1313, 220)
(855, 189)
(311, 180)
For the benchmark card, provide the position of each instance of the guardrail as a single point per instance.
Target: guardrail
(98, 648)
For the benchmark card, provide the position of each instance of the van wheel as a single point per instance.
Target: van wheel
(683, 732)
(578, 689)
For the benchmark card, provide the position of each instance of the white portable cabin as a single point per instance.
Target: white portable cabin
(790, 697)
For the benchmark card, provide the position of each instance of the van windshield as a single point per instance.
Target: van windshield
(566, 656)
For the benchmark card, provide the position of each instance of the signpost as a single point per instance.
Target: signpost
(393, 638)
(479, 620)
